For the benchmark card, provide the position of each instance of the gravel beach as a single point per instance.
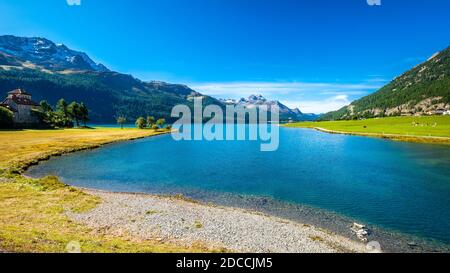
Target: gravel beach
(184, 222)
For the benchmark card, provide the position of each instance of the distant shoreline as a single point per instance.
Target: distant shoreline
(396, 137)
(396, 129)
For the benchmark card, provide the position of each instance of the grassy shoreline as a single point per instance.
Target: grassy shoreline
(24, 148)
(432, 130)
(33, 212)
(46, 216)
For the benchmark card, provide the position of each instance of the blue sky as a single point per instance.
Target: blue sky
(315, 54)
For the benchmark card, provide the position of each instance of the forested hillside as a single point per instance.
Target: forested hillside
(424, 90)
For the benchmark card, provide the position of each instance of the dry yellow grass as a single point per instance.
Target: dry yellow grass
(20, 148)
(33, 211)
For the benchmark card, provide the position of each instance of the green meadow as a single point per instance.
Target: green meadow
(422, 129)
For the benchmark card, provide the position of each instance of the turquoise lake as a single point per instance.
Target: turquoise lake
(399, 186)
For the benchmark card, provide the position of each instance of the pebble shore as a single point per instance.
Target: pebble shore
(185, 222)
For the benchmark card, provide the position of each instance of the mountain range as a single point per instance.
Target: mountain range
(423, 90)
(286, 114)
(52, 71)
(45, 54)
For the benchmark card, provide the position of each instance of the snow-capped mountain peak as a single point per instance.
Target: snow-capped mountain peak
(47, 54)
(255, 101)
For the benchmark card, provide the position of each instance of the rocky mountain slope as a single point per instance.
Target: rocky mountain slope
(423, 90)
(46, 54)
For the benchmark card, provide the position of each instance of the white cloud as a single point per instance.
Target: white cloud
(73, 2)
(308, 97)
(377, 79)
(320, 106)
(239, 89)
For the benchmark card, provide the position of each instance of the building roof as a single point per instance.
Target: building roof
(19, 91)
(23, 101)
(14, 97)
(19, 101)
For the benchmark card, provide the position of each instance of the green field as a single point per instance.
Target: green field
(427, 129)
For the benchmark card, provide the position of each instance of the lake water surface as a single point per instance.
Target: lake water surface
(399, 186)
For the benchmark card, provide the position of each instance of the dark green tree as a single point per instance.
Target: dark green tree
(141, 123)
(74, 112)
(62, 108)
(63, 116)
(160, 123)
(121, 121)
(150, 121)
(45, 114)
(84, 114)
(46, 107)
(6, 118)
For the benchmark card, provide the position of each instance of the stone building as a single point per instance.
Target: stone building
(21, 104)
